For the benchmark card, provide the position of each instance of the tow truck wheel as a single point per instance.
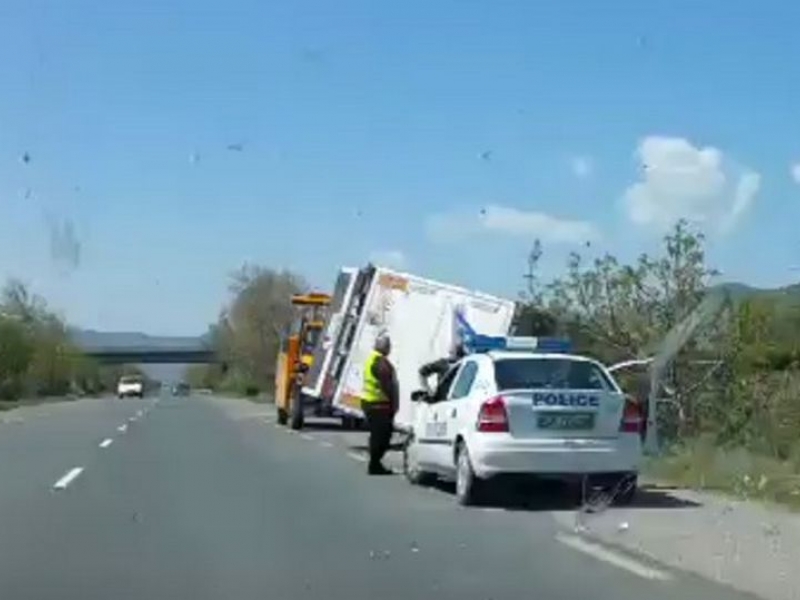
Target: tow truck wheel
(283, 416)
(297, 411)
(411, 469)
(467, 483)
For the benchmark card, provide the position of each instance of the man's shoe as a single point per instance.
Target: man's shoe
(379, 470)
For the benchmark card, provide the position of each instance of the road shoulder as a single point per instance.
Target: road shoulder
(750, 547)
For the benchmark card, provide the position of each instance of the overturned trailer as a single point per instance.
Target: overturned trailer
(424, 318)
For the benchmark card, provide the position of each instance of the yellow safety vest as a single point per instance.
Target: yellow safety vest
(372, 389)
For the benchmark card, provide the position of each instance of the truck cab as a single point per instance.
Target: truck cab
(296, 356)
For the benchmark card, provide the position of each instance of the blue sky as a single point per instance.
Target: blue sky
(445, 136)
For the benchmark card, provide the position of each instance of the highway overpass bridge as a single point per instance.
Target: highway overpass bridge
(151, 355)
(135, 348)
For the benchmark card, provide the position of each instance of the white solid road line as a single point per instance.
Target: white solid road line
(122, 428)
(618, 560)
(356, 456)
(71, 475)
(106, 443)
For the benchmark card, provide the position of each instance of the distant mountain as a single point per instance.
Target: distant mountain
(743, 290)
(786, 297)
(90, 339)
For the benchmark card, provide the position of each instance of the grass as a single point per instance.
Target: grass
(6, 405)
(737, 473)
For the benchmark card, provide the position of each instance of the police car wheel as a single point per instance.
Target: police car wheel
(411, 469)
(467, 484)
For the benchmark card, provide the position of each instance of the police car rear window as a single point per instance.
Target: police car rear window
(549, 373)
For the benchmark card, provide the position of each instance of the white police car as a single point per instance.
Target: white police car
(525, 406)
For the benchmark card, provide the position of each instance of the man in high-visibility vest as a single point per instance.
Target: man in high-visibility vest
(379, 402)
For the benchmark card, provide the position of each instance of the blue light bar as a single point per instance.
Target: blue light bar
(487, 343)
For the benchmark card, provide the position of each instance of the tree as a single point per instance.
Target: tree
(532, 318)
(247, 334)
(19, 303)
(616, 311)
(16, 351)
(620, 311)
(37, 356)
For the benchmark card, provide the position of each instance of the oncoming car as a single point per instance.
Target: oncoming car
(516, 407)
(180, 389)
(130, 385)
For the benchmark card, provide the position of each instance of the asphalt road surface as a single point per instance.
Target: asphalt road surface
(199, 497)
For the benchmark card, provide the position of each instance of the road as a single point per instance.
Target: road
(200, 497)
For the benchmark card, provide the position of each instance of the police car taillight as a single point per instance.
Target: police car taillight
(632, 417)
(493, 416)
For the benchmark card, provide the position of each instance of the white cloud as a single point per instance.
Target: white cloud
(582, 166)
(389, 258)
(680, 180)
(503, 220)
(796, 172)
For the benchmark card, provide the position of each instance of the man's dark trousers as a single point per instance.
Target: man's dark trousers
(380, 424)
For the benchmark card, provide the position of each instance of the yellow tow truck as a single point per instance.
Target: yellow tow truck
(296, 355)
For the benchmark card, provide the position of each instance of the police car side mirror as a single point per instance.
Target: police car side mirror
(419, 396)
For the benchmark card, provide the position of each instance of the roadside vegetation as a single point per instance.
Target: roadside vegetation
(37, 359)
(729, 400)
(247, 333)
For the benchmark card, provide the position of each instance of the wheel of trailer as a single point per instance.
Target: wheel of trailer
(468, 485)
(411, 469)
(283, 416)
(297, 410)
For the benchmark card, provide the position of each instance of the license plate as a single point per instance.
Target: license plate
(565, 421)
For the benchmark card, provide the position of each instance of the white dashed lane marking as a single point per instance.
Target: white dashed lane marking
(307, 437)
(68, 478)
(356, 456)
(106, 443)
(122, 428)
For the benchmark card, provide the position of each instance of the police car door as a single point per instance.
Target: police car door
(452, 410)
(435, 430)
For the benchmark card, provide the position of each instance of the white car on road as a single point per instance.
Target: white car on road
(130, 385)
(515, 408)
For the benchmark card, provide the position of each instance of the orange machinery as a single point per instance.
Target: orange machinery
(296, 355)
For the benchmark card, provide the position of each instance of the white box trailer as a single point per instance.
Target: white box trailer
(420, 317)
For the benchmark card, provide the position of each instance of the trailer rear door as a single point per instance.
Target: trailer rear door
(323, 354)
